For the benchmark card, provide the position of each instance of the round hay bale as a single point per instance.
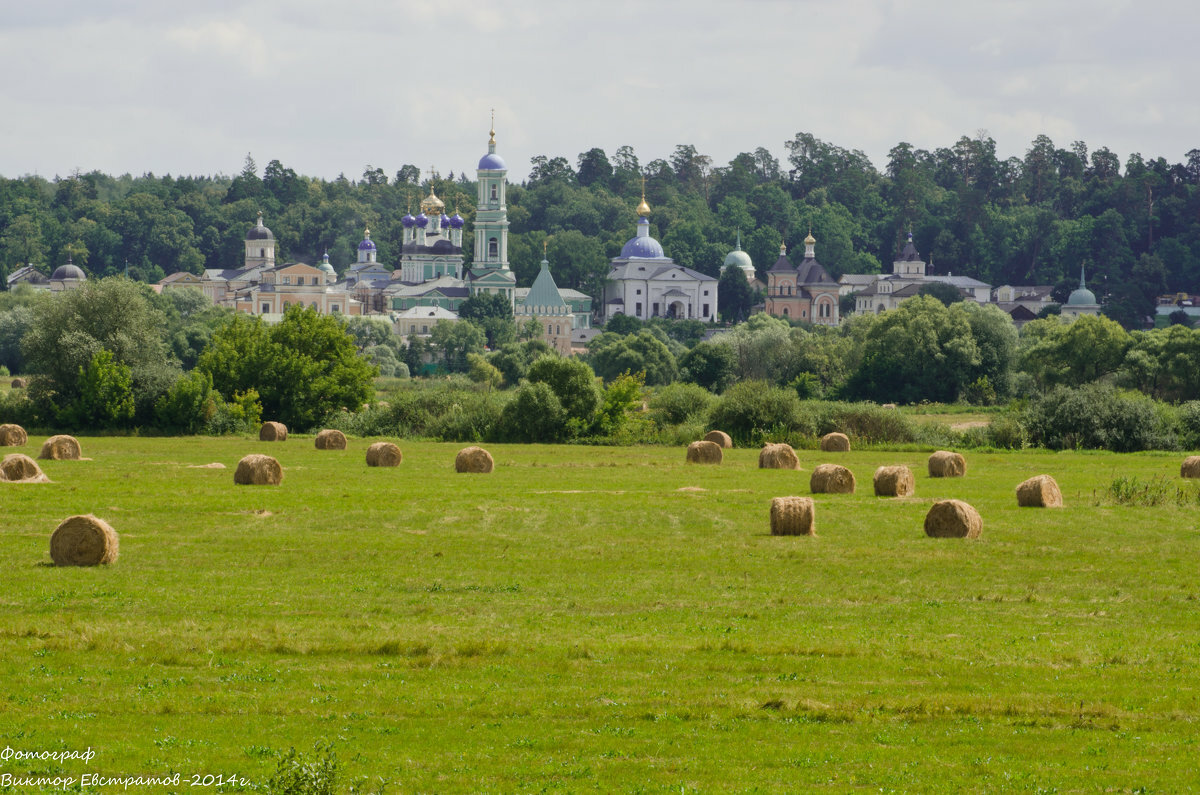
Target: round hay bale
(20, 467)
(832, 479)
(19, 383)
(1040, 491)
(953, 519)
(889, 406)
(792, 516)
(60, 448)
(272, 432)
(330, 439)
(384, 454)
(778, 456)
(945, 464)
(12, 436)
(1190, 467)
(835, 443)
(83, 541)
(894, 482)
(704, 452)
(473, 459)
(258, 470)
(719, 437)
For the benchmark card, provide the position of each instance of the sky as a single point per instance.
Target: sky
(136, 86)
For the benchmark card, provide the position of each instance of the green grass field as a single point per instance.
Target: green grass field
(600, 619)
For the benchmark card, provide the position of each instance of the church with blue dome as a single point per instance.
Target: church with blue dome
(645, 283)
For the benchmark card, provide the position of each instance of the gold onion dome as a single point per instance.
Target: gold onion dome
(808, 241)
(643, 209)
(431, 204)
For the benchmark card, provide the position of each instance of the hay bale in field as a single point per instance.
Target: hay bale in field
(473, 459)
(331, 439)
(792, 516)
(704, 452)
(60, 448)
(1190, 467)
(19, 383)
(888, 406)
(894, 481)
(272, 432)
(832, 479)
(953, 519)
(12, 436)
(778, 456)
(83, 541)
(719, 437)
(384, 454)
(258, 470)
(1040, 491)
(18, 468)
(835, 443)
(945, 464)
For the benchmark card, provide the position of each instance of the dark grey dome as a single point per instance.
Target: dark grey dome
(64, 272)
(259, 232)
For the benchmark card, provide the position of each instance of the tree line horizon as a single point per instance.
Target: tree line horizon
(1030, 220)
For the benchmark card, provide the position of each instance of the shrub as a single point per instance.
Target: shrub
(189, 405)
(865, 421)
(680, 402)
(1007, 433)
(240, 415)
(620, 398)
(4, 373)
(980, 392)
(1187, 418)
(474, 417)
(304, 774)
(573, 383)
(752, 411)
(105, 397)
(534, 415)
(1098, 417)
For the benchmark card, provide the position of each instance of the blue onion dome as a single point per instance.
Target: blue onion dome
(367, 244)
(422, 220)
(643, 246)
(408, 221)
(492, 162)
(456, 221)
(445, 220)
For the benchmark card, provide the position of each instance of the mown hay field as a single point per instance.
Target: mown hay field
(601, 619)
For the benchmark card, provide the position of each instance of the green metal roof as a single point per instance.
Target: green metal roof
(544, 291)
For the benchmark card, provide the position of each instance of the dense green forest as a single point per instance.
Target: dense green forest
(1018, 220)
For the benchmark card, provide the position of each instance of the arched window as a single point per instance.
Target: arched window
(493, 248)
(785, 311)
(495, 191)
(262, 252)
(548, 329)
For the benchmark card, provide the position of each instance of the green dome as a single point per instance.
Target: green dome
(738, 259)
(1081, 296)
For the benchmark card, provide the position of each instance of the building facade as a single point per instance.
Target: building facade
(645, 283)
(804, 292)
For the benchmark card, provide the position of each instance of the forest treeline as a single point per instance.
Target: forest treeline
(1036, 219)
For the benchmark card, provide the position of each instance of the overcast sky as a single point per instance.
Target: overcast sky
(329, 87)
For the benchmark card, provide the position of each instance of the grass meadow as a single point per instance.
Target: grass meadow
(601, 619)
